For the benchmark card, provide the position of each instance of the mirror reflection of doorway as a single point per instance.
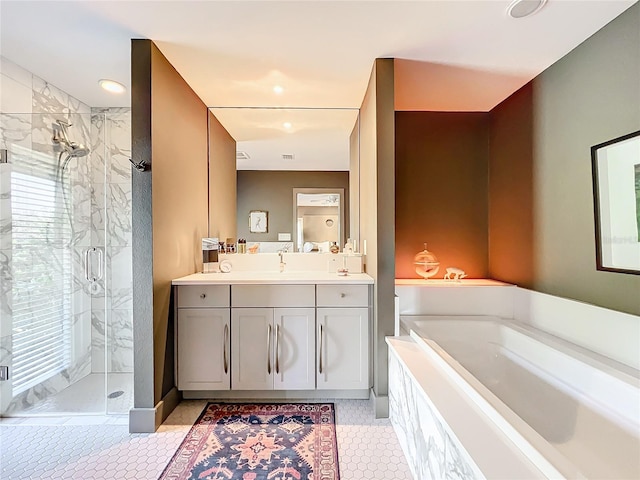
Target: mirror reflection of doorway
(318, 218)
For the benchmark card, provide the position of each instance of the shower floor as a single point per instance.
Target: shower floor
(88, 396)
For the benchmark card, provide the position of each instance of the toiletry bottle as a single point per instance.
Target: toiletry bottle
(334, 248)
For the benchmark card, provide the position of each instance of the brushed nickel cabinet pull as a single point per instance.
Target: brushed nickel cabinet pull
(269, 349)
(224, 348)
(320, 363)
(277, 348)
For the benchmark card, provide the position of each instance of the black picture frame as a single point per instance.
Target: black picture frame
(616, 201)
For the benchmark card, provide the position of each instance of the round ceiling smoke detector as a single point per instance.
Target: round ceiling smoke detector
(524, 8)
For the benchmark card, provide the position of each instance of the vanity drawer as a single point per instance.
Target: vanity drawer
(273, 296)
(203, 296)
(343, 296)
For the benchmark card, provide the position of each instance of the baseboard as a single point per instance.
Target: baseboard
(258, 395)
(167, 405)
(379, 405)
(147, 420)
(142, 420)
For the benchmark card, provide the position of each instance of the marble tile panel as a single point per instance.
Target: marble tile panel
(81, 205)
(6, 296)
(428, 446)
(16, 72)
(120, 341)
(99, 205)
(15, 129)
(5, 206)
(119, 215)
(48, 98)
(98, 341)
(98, 166)
(121, 278)
(15, 98)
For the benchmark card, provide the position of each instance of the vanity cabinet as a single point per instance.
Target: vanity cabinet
(273, 348)
(342, 337)
(203, 338)
(273, 337)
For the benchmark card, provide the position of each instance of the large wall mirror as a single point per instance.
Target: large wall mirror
(279, 151)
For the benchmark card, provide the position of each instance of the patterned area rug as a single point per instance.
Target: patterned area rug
(293, 441)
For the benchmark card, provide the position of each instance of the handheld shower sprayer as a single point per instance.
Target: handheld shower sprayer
(64, 145)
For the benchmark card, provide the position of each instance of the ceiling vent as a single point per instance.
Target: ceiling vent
(288, 156)
(242, 156)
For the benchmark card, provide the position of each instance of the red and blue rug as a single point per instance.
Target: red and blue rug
(292, 441)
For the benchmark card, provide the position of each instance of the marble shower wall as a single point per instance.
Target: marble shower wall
(29, 106)
(113, 320)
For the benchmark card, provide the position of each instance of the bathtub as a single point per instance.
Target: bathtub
(568, 411)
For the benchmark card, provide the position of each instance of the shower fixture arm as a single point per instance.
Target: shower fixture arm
(141, 166)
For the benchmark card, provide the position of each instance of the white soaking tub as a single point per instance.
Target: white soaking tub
(571, 413)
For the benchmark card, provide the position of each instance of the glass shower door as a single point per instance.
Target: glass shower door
(52, 266)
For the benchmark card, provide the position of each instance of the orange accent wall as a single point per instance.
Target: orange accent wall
(511, 191)
(441, 190)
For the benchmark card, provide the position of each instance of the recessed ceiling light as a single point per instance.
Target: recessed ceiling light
(287, 125)
(278, 90)
(524, 8)
(112, 86)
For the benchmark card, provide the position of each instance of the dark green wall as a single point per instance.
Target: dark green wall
(541, 225)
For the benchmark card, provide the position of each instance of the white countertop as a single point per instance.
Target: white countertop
(270, 277)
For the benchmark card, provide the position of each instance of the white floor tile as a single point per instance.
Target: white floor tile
(91, 448)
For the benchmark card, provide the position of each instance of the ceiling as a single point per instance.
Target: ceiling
(232, 53)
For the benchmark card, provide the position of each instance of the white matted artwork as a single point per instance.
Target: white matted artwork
(616, 189)
(258, 221)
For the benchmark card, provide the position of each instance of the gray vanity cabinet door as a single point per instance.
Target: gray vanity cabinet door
(252, 365)
(342, 348)
(294, 345)
(203, 349)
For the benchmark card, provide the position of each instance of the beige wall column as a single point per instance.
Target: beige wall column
(170, 216)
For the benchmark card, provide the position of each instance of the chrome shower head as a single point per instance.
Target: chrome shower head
(78, 150)
(61, 140)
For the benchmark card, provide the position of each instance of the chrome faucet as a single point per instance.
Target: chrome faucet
(282, 262)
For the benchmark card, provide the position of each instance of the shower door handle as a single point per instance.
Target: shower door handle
(86, 264)
(100, 263)
(88, 270)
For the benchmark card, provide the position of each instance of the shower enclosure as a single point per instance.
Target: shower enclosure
(66, 342)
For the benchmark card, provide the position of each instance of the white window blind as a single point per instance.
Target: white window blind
(41, 262)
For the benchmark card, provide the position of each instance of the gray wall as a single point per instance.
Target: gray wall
(377, 211)
(589, 96)
(273, 191)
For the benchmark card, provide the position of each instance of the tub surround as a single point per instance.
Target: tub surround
(460, 415)
(438, 431)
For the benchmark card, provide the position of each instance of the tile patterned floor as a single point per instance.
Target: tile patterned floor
(100, 447)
